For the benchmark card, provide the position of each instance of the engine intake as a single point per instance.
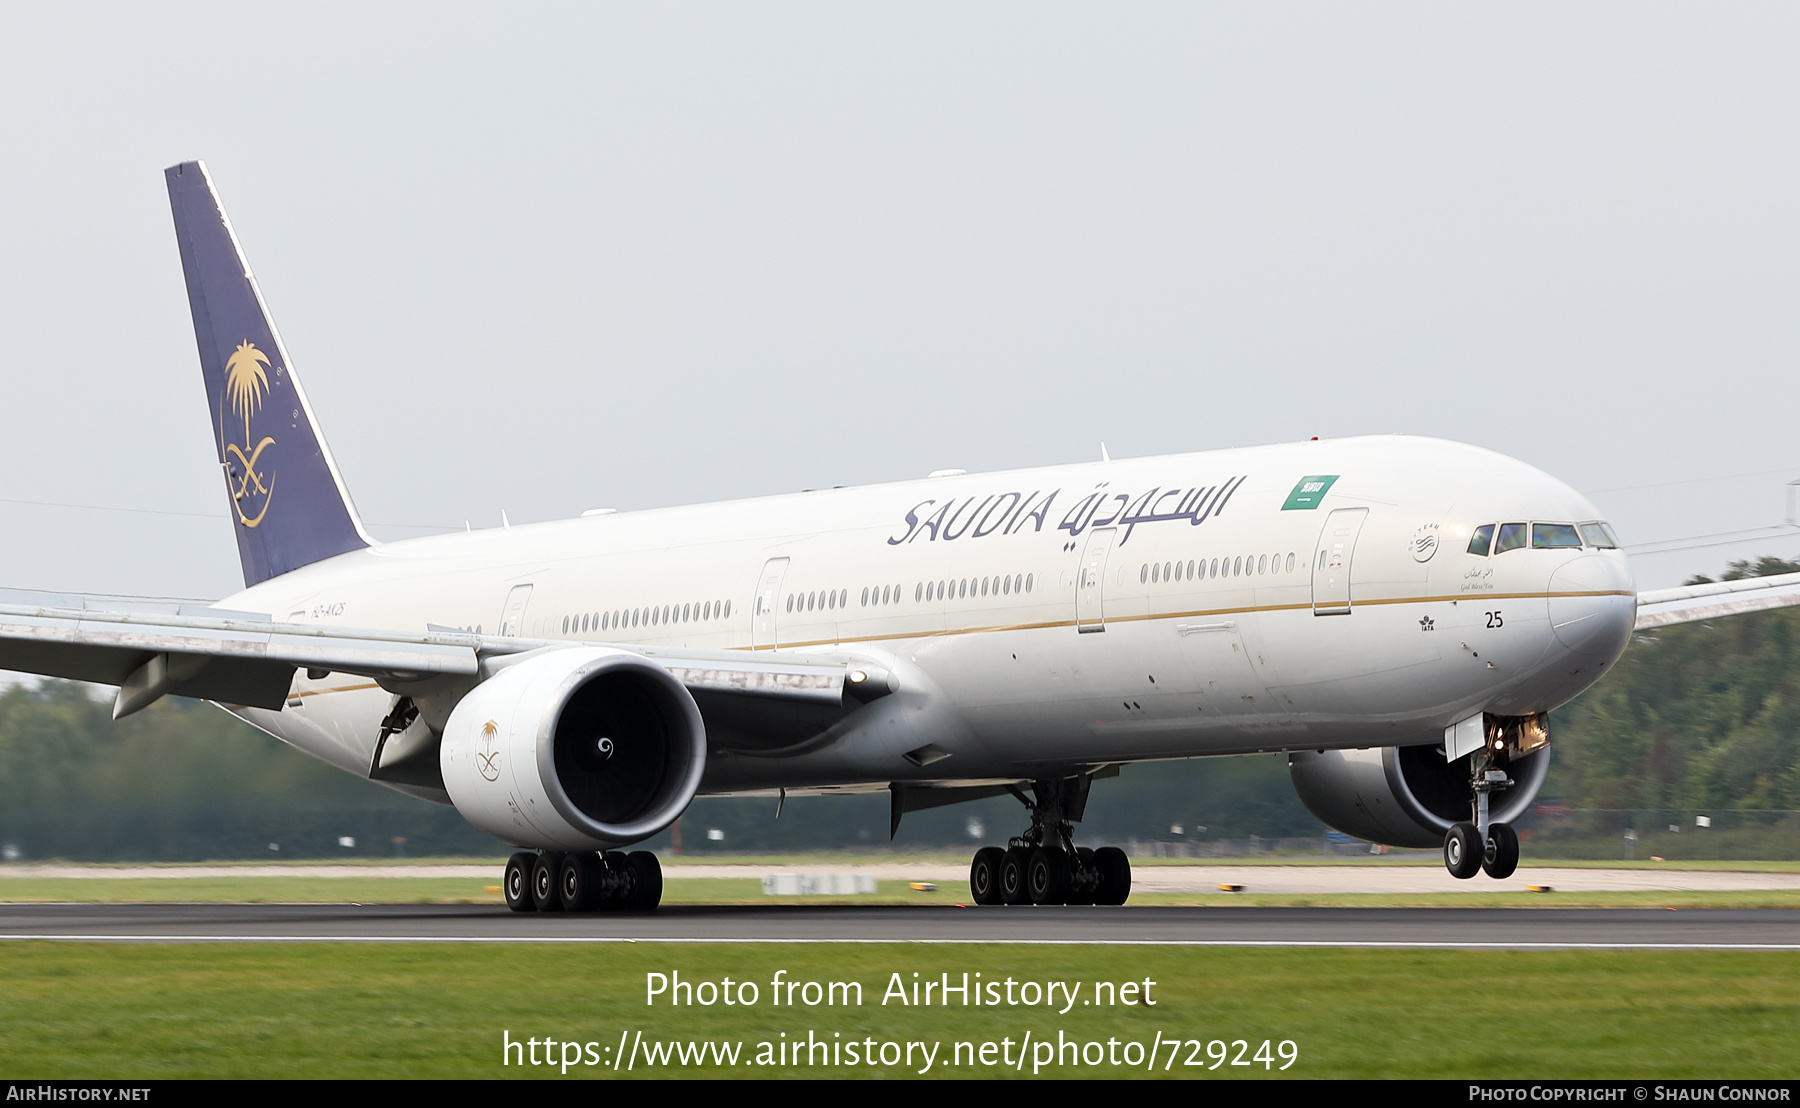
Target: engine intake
(1407, 795)
(576, 749)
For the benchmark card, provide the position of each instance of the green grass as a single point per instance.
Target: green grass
(346, 1010)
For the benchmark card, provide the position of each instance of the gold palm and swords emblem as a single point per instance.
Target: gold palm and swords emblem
(245, 385)
(487, 759)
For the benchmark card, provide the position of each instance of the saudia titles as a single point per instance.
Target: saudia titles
(246, 383)
(1009, 512)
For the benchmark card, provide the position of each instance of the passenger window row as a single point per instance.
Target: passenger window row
(625, 619)
(1151, 573)
(1498, 538)
(629, 619)
(963, 588)
(878, 595)
(828, 601)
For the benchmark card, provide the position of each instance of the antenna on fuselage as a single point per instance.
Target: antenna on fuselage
(1104, 456)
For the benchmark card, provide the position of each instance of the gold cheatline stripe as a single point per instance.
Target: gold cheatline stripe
(338, 688)
(1192, 615)
(1113, 619)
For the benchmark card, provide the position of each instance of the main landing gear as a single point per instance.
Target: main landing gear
(583, 882)
(1043, 866)
(1480, 845)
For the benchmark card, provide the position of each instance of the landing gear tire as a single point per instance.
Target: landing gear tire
(1086, 879)
(1501, 856)
(646, 881)
(516, 882)
(546, 882)
(1048, 876)
(1043, 865)
(616, 869)
(984, 875)
(1463, 851)
(1115, 875)
(1013, 863)
(582, 882)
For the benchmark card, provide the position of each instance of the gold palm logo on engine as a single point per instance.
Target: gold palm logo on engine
(487, 759)
(246, 383)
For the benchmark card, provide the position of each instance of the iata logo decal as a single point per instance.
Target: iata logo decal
(245, 385)
(487, 759)
(1424, 542)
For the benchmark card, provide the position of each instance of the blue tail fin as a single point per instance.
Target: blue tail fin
(288, 503)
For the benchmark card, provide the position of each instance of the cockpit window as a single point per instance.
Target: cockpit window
(1554, 536)
(1594, 535)
(1512, 537)
(1599, 536)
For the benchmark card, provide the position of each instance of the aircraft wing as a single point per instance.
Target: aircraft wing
(189, 650)
(154, 650)
(1691, 603)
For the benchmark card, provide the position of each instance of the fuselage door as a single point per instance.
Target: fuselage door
(1090, 582)
(1331, 561)
(764, 609)
(512, 618)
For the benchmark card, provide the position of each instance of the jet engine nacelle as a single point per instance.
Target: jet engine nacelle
(1408, 795)
(576, 749)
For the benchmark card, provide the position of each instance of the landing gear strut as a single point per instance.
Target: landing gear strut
(1479, 844)
(1043, 866)
(583, 882)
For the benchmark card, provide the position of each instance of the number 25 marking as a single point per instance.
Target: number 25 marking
(1494, 620)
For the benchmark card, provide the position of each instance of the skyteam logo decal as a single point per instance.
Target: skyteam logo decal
(1424, 542)
(246, 384)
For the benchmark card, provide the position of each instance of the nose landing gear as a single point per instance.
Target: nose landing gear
(1482, 845)
(1043, 865)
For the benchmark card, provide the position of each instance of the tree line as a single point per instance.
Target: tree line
(1694, 716)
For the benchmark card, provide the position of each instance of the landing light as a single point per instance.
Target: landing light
(857, 677)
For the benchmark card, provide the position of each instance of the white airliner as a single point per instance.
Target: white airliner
(1396, 614)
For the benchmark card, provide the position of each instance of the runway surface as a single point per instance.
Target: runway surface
(1192, 878)
(1472, 928)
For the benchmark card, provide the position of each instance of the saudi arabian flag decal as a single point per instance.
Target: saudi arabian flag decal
(1308, 493)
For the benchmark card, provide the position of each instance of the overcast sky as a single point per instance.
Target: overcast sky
(549, 258)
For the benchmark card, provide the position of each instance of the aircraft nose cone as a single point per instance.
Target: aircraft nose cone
(1593, 606)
